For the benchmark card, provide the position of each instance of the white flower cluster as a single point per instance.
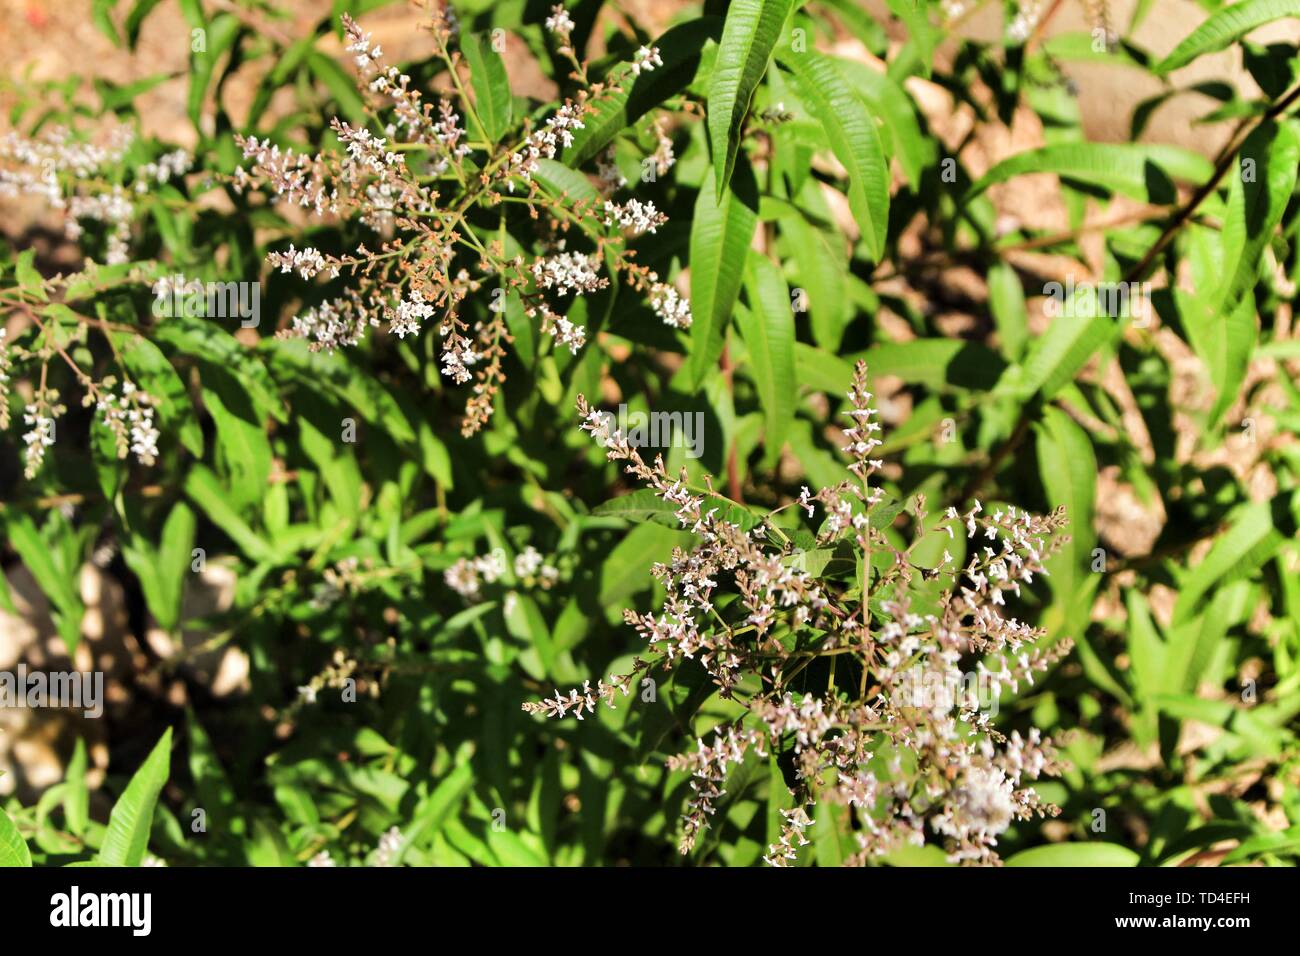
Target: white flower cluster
(559, 328)
(6, 363)
(389, 845)
(410, 312)
(559, 22)
(39, 416)
(130, 418)
(669, 305)
(467, 576)
(332, 325)
(582, 700)
(307, 262)
(367, 150)
(545, 142)
(566, 272)
(176, 163)
(112, 208)
(1022, 25)
(645, 60)
(457, 356)
(634, 215)
(56, 149)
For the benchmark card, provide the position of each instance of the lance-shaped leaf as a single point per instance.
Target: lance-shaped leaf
(13, 849)
(615, 111)
(767, 327)
(127, 836)
(851, 131)
(1134, 169)
(720, 235)
(749, 36)
(1256, 200)
(487, 75)
(1068, 468)
(1225, 27)
(1223, 340)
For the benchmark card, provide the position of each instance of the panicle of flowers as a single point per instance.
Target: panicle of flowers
(645, 60)
(545, 141)
(584, 700)
(559, 22)
(169, 165)
(786, 850)
(333, 324)
(390, 844)
(6, 365)
(634, 215)
(573, 336)
(129, 417)
(708, 766)
(910, 757)
(403, 174)
(567, 272)
(467, 576)
(306, 262)
(39, 415)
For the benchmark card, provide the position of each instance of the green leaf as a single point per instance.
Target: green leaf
(208, 342)
(341, 86)
(1224, 342)
(892, 103)
(56, 583)
(1248, 542)
(13, 849)
(135, 18)
(720, 236)
(936, 363)
(749, 36)
(853, 136)
(101, 15)
(625, 570)
(203, 488)
(76, 805)
(564, 182)
(1225, 27)
(221, 34)
(510, 850)
(1135, 169)
(1271, 153)
(822, 265)
(487, 73)
(680, 50)
(243, 448)
(29, 280)
(1058, 353)
(127, 836)
(767, 327)
(1007, 303)
(1068, 467)
(1075, 854)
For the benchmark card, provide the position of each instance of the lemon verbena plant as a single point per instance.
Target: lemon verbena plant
(943, 502)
